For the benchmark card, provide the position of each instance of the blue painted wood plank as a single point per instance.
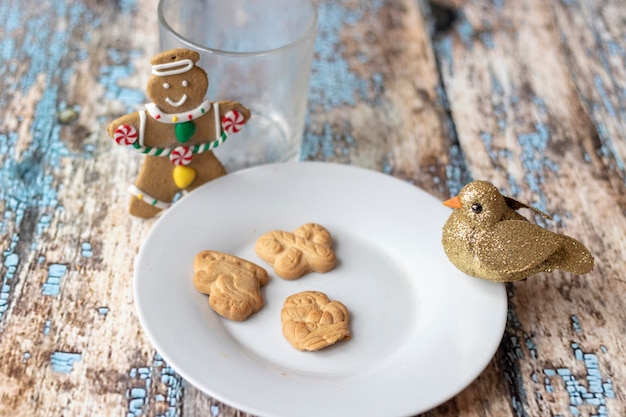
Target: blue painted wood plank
(42, 48)
(520, 136)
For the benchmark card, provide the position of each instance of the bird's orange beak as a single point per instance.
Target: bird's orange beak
(454, 202)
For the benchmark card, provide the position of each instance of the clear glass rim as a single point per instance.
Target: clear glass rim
(310, 32)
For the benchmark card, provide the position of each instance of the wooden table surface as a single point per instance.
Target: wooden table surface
(530, 95)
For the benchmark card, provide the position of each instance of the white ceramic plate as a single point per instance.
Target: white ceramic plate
(421, 330)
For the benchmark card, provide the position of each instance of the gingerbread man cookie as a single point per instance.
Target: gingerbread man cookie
(177, 132)
(307, 249)
(232, 284)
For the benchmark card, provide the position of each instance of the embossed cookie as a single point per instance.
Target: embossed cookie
(307, 249)
(312, 322)
(232, 284)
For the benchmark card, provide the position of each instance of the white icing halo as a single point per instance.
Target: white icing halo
(172, 68)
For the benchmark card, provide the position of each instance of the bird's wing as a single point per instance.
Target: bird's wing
(516, 205)
(515, 246)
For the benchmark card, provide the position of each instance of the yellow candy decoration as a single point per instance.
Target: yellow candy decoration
(183, 176)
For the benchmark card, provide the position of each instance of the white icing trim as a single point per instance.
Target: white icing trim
(172, 68)
(148, 199)
(142, 126)
(218, 126)
(173, 118)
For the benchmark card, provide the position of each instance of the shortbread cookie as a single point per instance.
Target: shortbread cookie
(307, 249)
(232, 284)
(312, 322)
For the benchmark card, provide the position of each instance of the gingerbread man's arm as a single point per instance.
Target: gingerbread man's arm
(227, 105)
(128, 119)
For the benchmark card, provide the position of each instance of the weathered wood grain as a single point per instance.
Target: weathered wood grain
(71, 344)
(529, 95)
(392, 117)
(524, 110)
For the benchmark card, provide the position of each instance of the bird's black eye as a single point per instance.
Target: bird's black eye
(477, 208)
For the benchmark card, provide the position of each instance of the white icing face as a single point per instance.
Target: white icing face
(177, 88)
(176, 103)
(182, 100)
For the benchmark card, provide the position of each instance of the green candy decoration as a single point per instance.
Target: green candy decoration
(184, 131)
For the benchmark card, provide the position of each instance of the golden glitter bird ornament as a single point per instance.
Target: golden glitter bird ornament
(486, 237)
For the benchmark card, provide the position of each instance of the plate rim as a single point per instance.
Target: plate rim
(240, 403)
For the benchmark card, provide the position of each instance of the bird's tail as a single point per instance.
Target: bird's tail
(576, 258)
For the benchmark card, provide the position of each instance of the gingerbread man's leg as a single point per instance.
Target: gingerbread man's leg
(154, 188)
(207, 168)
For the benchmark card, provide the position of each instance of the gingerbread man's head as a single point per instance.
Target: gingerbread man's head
(177, 84)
